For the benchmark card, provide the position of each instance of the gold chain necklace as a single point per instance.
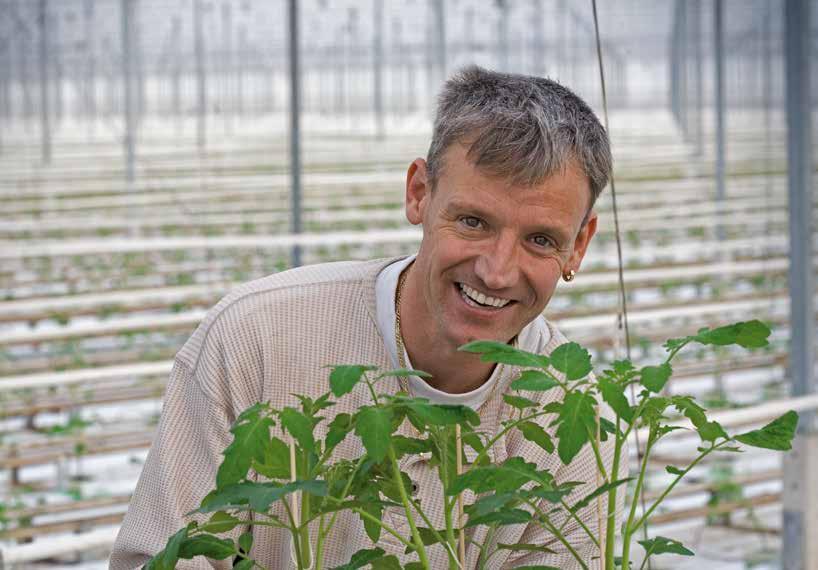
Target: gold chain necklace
(403, 381)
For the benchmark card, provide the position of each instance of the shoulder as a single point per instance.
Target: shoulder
(280, 298)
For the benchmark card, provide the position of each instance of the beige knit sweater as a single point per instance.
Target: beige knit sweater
(271, 338)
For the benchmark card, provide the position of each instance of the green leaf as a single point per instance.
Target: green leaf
(534, 381)
(221, 522)
(534, 433)
(778, 434)
(362, 558)
(276, 463)
(662, 545)
(299, 426)
(404, 373)
(750, 334)
(374, 426)
(371, 503)
(258, 496)
(602, 489)
(246, 541)
(708, 431)
(441, 414)
(414, 566)
(508, 476)
(519, 402)
(654, 378)
(614, 396)
(408, 445)
(577, 419)
(572, 360)
(251, 434)
(427, 537)
(673, 470)
(245, 564)
(207, 545)
(523, 547)
(339, 427)
(170, 554)
(343, 378)
(537, 567)
(387, 563)
(500, 518)
(502, 353)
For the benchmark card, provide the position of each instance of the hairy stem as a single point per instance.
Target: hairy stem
(610, 521)
(404, 497)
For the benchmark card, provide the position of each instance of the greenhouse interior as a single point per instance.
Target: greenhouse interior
(157, 154)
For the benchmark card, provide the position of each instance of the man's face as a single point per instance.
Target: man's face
(492, 252)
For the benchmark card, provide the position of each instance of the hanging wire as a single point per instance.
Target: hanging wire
(622, 321)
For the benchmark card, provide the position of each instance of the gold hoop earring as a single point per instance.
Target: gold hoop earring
(568, 277)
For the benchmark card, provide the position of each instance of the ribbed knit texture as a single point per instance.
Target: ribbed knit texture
(273, 337)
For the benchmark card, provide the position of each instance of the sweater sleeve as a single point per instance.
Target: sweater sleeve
(180, 469)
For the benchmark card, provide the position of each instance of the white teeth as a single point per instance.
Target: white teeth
(481, 298)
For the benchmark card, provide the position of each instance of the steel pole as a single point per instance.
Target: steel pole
(127, 88)
(201, 84)
(721, 111)
(800, 502)
(295, 129)
(440, 40)
(45, 119)
(377, 67)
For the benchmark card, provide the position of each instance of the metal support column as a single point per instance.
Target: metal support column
(201, 84)
(377, 66)
(88, 14)
(697, 46)
(720, 110)
(127, 87)
(295, 130)
(45, 115)
(440, 40)
(502, 35)
(800, 498)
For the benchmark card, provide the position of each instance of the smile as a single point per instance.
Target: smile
(476, 298)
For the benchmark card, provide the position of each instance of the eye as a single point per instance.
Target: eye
(542, 241)
(471, 222)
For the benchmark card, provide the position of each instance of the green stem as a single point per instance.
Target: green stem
(421, 550)
(543, 518)
(294, 534)
(610, 521)
(628, 530)
(574, 516)
(255, 563)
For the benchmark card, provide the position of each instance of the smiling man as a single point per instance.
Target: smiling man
(505, 199)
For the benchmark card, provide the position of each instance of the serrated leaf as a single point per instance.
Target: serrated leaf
(519, 402)
(534, 381)
(708, 431)
(371, 503)
(523, 547)
(777, 435)
(251, 434)
(246, 541)
(502, 353)
(602, 489)
(750, 334)
(572, 360)
(299, 426)
(673, 470)
(662, 545)
(170, 554)
(614, 395)
(362, 558)
(576, 420)
(387, 563)
(427, 537)
(245, 564)
(339, 427)
(221, 522)
(508, 476)
(408, 445)
(276, 459)
(654, 378)
(207, 545)
(344, 378)
(374, 426)
(534, 433)
(441, 414)
(500, 518)
(258, 496)
(404, 373)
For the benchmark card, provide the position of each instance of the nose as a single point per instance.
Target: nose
(497, 265)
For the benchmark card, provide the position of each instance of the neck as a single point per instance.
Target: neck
(452, 371)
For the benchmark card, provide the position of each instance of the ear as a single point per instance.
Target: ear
(418, 192)
(586, 233)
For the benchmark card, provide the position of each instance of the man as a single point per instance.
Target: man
(505, 201)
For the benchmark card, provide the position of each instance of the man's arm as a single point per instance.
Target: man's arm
(179, 472)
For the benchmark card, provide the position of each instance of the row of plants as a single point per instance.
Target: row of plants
(278, 454)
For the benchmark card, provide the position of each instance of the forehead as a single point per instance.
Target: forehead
(567, 189)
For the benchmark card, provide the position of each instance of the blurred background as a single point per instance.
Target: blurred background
(150, 160)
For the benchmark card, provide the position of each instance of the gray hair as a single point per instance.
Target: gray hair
(518, 127)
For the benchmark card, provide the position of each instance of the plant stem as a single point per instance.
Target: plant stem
(610, 521)
(628, 530)
(421, 550)
(575, 517)
(557, 534)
